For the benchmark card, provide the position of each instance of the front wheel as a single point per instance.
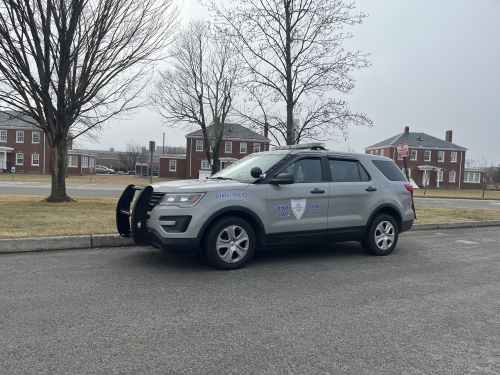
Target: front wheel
(382, 236)
(229, 244)
(108, 172)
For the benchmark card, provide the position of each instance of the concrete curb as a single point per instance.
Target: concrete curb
(458, 224)
(94, 241)
(448, 197)
(18, 245)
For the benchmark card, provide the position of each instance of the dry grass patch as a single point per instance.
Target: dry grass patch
(28, 216)
(96, 179)
(457, 193)
(445, 214)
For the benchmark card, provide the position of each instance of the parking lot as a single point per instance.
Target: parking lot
(430, 307)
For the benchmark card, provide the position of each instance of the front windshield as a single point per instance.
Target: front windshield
(240, 171)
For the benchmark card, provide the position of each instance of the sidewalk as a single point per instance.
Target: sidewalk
(96, 241)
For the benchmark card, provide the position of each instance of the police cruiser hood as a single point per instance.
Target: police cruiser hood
(198, 186)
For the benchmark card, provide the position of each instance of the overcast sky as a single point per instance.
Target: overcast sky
(435, 67)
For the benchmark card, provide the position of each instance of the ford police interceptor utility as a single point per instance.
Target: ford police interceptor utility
(300, 194)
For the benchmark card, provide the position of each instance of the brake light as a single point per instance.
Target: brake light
(410, 189)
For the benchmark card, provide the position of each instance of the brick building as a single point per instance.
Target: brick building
(25, 147)
(237, 142)
(433, 162)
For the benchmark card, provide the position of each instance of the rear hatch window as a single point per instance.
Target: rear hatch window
(389, 170)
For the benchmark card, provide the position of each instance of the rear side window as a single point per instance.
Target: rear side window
(347, 171)
(389, 170)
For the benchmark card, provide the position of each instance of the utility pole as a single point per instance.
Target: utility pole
(152, 149)
(163, 143)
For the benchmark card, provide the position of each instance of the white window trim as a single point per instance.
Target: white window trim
(33, 160)
(468, 174)
(212, 146)
(454, 176)
(70, 158)
(451, 157)
(441, 153)
(18, 132)
(203, 162)
(411, 155)
(230, 144)
(439, 177)
(382, 152)
(256, 145)
(20, 153)
(376, 151)
(85, 162)
(91, 163)
(241, 147)
(409, 172)
(371, 152)
(174, 165)
(3, 132)
(430, 155)
(33, 133)
(199, 142)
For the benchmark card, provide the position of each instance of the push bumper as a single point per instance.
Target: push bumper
(133, 223)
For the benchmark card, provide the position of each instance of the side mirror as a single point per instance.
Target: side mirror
(283, 179)
(256, 172)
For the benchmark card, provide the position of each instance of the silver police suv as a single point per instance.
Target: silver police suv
(300, 194)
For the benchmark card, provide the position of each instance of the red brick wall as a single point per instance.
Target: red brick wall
(27, 148)
(198, 156)
(165, 166)
(446, 166)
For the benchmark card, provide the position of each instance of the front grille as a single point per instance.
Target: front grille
(155, 199)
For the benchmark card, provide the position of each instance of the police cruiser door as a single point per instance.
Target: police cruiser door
(299, 212)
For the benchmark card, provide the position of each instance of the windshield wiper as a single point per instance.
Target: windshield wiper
(220, 178)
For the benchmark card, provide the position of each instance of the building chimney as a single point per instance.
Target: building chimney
(407, 129)
(449, 135)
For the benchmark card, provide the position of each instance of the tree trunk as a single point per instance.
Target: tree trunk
(59, 158)
(215, 160)
(289, 84)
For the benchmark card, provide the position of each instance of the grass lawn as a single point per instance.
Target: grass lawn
(96, 179)
(457, 193)
(28, 216)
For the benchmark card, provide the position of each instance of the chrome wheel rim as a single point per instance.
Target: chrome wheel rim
(384, 235)
(232, 244)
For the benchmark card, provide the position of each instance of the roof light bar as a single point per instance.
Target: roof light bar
(303, 146)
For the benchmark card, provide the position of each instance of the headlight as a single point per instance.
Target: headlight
(181, 200)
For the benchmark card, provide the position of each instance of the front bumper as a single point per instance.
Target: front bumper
(134, 223)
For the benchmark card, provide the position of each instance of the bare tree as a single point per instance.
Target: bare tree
(294, 59)
(470, 163)
(487, 167)
(70, 65)
(200, 87)
(134, 154)
(175, 150)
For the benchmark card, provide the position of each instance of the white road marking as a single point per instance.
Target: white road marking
(467, 242)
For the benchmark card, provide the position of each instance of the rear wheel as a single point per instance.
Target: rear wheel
(229, 244)
(382, 236)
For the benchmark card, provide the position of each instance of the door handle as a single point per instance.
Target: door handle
(369, 188)
(317, 191)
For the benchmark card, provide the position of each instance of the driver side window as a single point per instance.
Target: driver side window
(305, 170)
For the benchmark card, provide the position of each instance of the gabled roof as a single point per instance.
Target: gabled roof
(416, 140)
(11, 119)
(234, 131)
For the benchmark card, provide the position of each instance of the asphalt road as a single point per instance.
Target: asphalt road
(114, 191)
(432, 307)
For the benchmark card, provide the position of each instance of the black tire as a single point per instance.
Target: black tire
(233, 231)
(108, 172)
(382, 236)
